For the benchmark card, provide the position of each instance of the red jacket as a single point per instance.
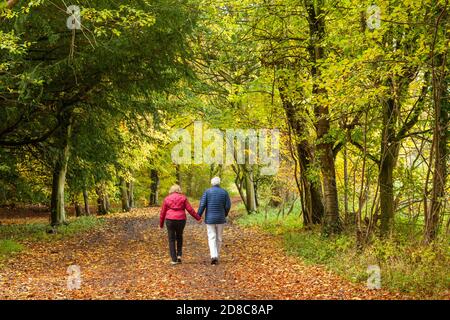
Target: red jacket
(174, 207)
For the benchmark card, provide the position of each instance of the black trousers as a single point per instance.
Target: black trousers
(175, 230)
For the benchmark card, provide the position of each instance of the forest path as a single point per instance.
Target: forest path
(128, 259)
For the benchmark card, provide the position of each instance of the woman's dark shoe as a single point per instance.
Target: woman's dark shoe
(214, 261)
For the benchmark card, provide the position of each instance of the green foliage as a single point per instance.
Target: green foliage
(108, 78)
(138, 69)
(39, 231)
(13, 238)
(9, 247)
(271, 220)
(405, 264)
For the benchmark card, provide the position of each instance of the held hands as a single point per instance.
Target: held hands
(200, 221)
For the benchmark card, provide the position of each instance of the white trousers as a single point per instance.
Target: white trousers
(215, 232)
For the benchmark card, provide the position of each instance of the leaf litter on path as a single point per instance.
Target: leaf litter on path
(128, 259)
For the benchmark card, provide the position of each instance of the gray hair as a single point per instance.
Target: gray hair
(215, 181)
(175, 188)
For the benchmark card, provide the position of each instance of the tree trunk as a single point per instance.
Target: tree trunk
(154, 186)
(316, 22)
(239, 182)
(432, 220)
(101, 202)
(332, 223)
(250, 190)
(107, 203)
(440, 138)
(388, 152)
(310, 192)
(87, 212)
(130, 192)
(391, 133)
(255, 187)
(124, 195)
(57, 211)
(77, 206)
(346, 188)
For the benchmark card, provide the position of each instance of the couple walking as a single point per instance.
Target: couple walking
(215, 203)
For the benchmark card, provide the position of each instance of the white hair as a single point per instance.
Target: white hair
(215, 181)
(175, 188)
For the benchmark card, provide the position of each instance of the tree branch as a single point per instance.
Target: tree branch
(361, 148)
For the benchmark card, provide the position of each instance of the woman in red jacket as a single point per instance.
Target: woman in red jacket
(173, 211)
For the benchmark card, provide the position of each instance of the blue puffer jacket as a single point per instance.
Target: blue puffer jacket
(217, 204)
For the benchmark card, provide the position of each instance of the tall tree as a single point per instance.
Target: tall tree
(58, 215)
(316, 22)
(441, 104)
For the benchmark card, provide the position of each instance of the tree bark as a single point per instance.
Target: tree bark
(250, 190)
(124, 195)
(440, 136)
(130, 192)
(346, 188)
(332, 222)
(310, 192)
(392, 134)
(57, 211)
(87, 211)
(107, 203)
(316, 22)
(77, 209)
(255, 187)
(154, 186)
(101, 202)
(239, 182)
(388, 152)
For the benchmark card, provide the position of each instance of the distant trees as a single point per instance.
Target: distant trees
(52, 79)
(346, 82)
(361, 102)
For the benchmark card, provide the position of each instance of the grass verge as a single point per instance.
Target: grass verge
(9, 247)
(406, 265)
(13, 237)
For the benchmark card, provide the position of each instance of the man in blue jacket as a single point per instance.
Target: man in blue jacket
(216, 204)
